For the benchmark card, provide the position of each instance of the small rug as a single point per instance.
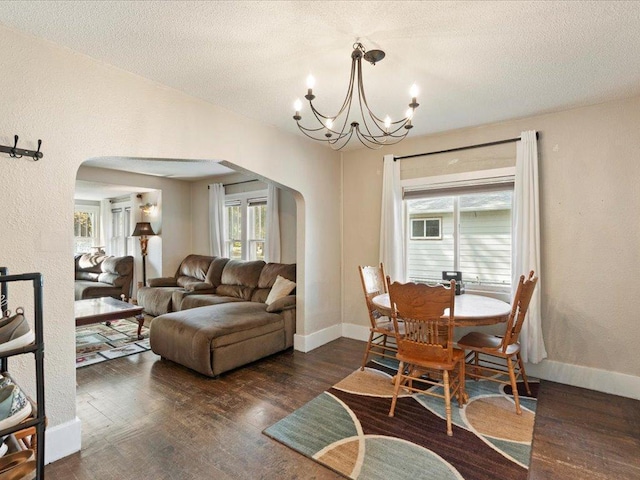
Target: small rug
(348, 430)
(98, 342)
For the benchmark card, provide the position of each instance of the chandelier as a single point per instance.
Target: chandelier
(373, 132)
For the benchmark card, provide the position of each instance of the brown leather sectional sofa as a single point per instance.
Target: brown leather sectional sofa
(211, 316)
(102, 276)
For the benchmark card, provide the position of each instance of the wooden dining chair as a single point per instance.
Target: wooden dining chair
(427, 344)
(382, 340)
(492, 356)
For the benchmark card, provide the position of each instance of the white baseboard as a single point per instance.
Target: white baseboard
(62, 440)
(587, 377)
(576, 375)
(306, 343)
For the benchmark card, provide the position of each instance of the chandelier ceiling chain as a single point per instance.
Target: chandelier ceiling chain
(374, 132)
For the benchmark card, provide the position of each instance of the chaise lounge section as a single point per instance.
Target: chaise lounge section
(247, 312)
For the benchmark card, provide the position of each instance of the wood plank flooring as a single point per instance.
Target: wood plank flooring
(143, 418)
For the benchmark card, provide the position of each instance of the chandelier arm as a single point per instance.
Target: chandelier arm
(363, 98)
(366, 142)
(307, 131)
(386, 141)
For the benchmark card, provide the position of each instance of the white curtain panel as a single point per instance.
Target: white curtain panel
(272, 242)
(105, 226)
(391, 222)
(216, 219)
(526, 242)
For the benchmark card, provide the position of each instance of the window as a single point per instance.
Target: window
(120, 230)
(469, 230)
(426, 228)
(86, 228)
(246, 215)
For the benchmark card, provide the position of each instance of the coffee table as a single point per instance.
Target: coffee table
(105, 309)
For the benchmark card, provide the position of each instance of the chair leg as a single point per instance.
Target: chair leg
(476, 359)
(524, 374)
(514, 385)
(462, 394)
(366, 352)
(396, 389)
(447, 401)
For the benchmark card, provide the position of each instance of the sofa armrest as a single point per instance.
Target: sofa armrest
(200, 287)
(284, 303)
(162, 282)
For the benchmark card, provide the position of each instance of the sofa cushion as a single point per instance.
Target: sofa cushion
(240, 278)
(268, 277)
(116, 271)
(284, 303)
(91, 276)
(89, 289)
(214, 274)
(281, 288)
(193, 269)
(156, 300)
(88, 262)
(194, 301)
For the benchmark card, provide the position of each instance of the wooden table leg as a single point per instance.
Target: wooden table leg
(140, 319)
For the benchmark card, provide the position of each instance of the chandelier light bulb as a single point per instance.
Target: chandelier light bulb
(329, 123)
(387, 122)
(297, 105)
(409, 113)
(414, 91)
(311, 82)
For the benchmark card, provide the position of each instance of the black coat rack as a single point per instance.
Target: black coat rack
(15, 152)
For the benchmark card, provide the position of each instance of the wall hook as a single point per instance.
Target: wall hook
(13, 153)
(36, 155)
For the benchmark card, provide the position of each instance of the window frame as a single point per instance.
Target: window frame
(425, 219)
(456, 185)
(246, 199)
(94, 210)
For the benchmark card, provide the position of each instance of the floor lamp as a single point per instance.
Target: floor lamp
(142, 230)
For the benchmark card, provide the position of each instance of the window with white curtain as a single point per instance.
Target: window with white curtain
(245, 217)
(461, 227)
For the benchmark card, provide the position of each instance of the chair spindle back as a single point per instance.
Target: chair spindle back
(519, 308)
(373, 284)
(428, 333)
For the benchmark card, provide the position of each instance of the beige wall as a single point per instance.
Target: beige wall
(589, 203)
(83, 109)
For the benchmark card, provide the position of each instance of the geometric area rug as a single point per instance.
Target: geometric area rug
(347, 429)
(98, 342)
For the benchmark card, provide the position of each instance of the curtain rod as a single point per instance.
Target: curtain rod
(237, 183)
(468, 147)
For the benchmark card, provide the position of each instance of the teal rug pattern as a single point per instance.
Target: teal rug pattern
(347, 429)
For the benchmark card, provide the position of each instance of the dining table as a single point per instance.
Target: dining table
(470, 310)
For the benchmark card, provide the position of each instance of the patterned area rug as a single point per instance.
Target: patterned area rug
(98, 342)
(347, 429)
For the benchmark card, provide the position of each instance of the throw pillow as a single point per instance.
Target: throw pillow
(281, 288)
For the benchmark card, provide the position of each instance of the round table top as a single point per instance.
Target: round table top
(470, 309)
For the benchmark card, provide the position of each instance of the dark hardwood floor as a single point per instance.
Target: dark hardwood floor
(143, 418)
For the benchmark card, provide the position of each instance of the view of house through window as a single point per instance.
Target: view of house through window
(470, 233)
(246, 215)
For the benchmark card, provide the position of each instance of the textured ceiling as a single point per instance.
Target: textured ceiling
(475, 62)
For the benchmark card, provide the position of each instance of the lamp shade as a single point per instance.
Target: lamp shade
(142, 229)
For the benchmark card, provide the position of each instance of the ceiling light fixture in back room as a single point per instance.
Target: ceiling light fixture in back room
(373, 132)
